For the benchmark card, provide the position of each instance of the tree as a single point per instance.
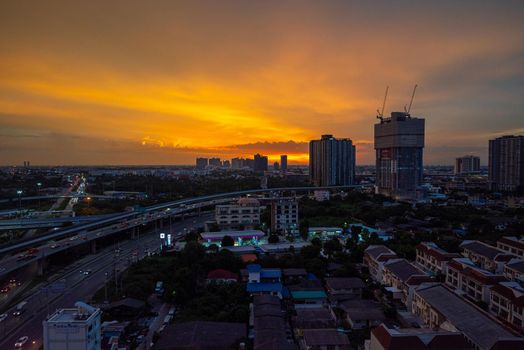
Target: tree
(273, 239)
(228, 241)
(332, 246)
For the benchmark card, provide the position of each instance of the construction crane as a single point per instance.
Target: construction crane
(380, 113)
(411, 102)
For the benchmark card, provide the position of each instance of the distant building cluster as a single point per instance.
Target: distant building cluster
(259, 163)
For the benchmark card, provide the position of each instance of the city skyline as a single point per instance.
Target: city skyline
(165, 83)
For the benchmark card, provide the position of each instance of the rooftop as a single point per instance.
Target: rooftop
(419, 339)
(201, 335)
(325, 337)
(337, 283)
(475, 324)
(403, 269)
(486, 250)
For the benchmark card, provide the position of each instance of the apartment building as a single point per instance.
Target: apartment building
(514, 270)
(433, 259)
(245, 213)
(438, 307)
(374, 258)
(486, 256)
(512, 245)
(284, 216)
(402, 277)
(469, 280)
(507, 303)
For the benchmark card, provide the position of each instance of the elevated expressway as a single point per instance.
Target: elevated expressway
(67, 238)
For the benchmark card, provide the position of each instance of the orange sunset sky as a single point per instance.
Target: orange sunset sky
(161, 82)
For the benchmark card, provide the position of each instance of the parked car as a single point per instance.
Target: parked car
(3, 317)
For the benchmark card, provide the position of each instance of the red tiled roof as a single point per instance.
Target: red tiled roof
(438, 253)
(512, 241)
(503, 291)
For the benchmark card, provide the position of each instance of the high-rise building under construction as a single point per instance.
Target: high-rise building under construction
(399, 144)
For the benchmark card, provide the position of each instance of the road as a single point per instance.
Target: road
(155, 212)
(79, 287)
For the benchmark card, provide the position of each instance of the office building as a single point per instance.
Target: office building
(283, 162)
(506, 163)
(467, 165)
(331, 161)
(215, 162)
(226, 164)
(201, 163)
(73, 329)
(276, 166)
(260, 163)
(284, 216)
(399, 144)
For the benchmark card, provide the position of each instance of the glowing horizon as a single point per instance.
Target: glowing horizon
(164, 83)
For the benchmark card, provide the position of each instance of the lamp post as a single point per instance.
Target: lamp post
(38, 186)
(19, 193)
(88, 201)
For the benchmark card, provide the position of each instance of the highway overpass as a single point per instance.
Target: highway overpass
(124, 221)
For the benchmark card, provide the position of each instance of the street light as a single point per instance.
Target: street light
(88, 201)
(19, 193)
(39, 185)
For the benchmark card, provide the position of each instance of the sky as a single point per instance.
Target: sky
(162, 82)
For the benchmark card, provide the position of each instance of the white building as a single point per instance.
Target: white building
(246, 213)
(73, 329)
(284, 215)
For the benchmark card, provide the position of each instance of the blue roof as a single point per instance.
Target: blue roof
(311, 277)
(253, 268)
(270, 273)
(254, 287)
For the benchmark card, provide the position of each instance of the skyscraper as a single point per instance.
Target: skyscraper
(283, 162)
(260, 163)
(467, 165)
(331, 161)
(201, 163)
(506, 163)
(215, 162)
(399, 144)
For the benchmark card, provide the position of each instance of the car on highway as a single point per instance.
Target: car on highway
(5, 290)
(21, 341)
(87, 272)
(53, 246)
(3, 317)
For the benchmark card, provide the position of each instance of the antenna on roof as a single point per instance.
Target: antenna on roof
(380, 113)
(411, 102)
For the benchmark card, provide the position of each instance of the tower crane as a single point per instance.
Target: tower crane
(411, 102)
(380, 113)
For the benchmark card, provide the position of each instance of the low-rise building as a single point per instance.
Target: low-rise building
(384, 338)
(486, 256)
(432, 259)
(374, 258)
(324, 339)
(363, 313)
(438, 307)
(507, 303)
(313, 318)
(73, 328)
(262, 281)
(308, 293)
(244, 214)
(201, 335)
(512, 245)
(514, 269)
(471, 281)
(402, 277)
(344, 288)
